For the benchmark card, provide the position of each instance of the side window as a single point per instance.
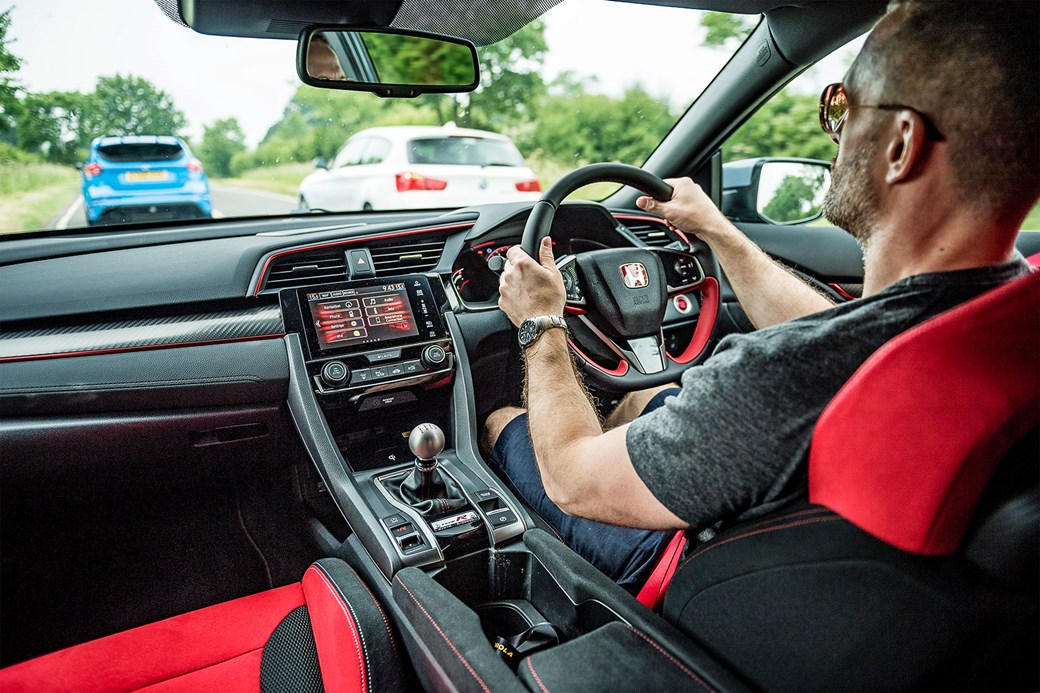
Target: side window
(351, 154)
(376, 151)
(775, 166)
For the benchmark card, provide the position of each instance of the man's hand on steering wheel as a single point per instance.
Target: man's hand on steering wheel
(529, 288)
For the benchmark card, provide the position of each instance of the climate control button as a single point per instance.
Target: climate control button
(434, 356)
(335, 373)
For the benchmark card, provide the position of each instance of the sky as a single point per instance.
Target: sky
(66, 44)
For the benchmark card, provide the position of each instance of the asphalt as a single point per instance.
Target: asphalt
(227, 202)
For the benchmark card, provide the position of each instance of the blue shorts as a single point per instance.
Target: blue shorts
(625, 555)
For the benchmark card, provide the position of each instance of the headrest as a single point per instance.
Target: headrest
(906, 447)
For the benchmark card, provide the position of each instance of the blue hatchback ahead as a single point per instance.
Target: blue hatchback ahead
(143, 177)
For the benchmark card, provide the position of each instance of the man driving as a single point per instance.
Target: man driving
(938, 127)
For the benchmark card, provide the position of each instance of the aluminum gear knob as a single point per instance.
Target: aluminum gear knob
(426, 441)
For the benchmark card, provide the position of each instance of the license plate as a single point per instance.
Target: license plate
(146, 176)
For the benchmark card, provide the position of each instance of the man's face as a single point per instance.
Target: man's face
(852, 202)
(322, 62)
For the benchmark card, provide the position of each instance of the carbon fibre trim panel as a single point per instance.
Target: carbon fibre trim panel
(225, 326)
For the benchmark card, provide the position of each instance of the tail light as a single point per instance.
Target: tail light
(416, 181)
(195, 166)
(91, 170)
(529, 186)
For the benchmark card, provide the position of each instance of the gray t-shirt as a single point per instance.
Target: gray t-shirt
(735, 441)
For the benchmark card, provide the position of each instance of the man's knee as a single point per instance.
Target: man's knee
(633, 404)
(496, 423)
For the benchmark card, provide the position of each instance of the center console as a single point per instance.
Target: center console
(380, 393)
(378, 384)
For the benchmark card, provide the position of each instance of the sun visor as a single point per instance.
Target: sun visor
(279, 19)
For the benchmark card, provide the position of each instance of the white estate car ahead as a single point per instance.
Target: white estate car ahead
(411, 167)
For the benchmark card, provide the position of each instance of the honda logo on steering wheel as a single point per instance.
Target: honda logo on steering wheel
(634, 274)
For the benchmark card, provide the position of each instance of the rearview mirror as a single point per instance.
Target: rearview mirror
(775, 191)
(386, 62)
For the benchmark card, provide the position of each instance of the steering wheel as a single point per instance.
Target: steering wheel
(620, 296)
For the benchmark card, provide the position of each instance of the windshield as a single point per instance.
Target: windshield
(89, 112)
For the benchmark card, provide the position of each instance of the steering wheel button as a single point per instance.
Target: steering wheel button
(682, 304)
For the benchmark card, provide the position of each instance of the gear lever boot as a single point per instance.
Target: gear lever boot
(425, 487)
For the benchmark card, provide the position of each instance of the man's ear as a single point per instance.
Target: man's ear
(906, 146)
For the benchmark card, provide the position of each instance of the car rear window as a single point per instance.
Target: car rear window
(463, 151)
(140, 152)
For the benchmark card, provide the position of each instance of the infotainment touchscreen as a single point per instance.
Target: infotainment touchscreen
(350, 317)
(366, 314)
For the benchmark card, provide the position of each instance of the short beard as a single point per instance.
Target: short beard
(852, 201)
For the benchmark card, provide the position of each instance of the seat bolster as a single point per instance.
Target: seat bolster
(354, 637)
(162, 651)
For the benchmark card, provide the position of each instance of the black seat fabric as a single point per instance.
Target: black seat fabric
(806, 600)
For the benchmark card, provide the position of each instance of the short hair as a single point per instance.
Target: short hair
(973, 67)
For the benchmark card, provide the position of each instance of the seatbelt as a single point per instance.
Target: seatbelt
(652, 594)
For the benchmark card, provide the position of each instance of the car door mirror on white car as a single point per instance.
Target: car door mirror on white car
(386, 62)
(774, 190)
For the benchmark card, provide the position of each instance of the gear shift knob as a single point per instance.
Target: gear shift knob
(426, 441)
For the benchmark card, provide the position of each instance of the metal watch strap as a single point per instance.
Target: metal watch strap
(544, 323)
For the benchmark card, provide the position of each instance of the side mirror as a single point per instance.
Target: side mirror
(774, 190)
(386, 62)
(79, 165)
(320, 162)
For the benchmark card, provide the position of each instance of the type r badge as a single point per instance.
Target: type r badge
(635, 276)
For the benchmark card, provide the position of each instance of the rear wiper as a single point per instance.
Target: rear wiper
(498, 163)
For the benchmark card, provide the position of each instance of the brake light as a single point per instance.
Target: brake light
(529, 186)
(195, 166)
(416, 181)
(91, 170)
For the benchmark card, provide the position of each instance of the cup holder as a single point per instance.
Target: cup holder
(516, 629)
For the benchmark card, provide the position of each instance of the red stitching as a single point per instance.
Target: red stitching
(672, 659)
(355, 633)
(535, 675)
(706, 549)
(390, 633)
(450, 644)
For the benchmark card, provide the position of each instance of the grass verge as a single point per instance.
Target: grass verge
(32, 194)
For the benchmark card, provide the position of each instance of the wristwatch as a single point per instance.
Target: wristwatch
(532, 328)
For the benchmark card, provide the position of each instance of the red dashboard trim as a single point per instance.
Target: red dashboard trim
(350, 241)
(146, 347)
(705, 323)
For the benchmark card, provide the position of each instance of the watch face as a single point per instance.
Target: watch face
(528, 331)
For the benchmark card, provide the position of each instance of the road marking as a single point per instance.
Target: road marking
(217, 214)
(63, 223)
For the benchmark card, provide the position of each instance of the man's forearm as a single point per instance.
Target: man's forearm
(559, 413)
(767, 292)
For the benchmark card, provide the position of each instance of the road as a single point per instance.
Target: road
(227, 202)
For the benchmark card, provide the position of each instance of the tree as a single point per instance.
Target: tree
(723, 27)
(9, 65)
(510, 81)
(576, 127)
(220, 142)
(786, 125)
(129, 106)
(49, 124)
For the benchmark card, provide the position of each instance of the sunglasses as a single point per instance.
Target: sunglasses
(834, 110)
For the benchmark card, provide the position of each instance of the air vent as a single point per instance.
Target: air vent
(416, 254)
(311, 267)
(652, 233)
